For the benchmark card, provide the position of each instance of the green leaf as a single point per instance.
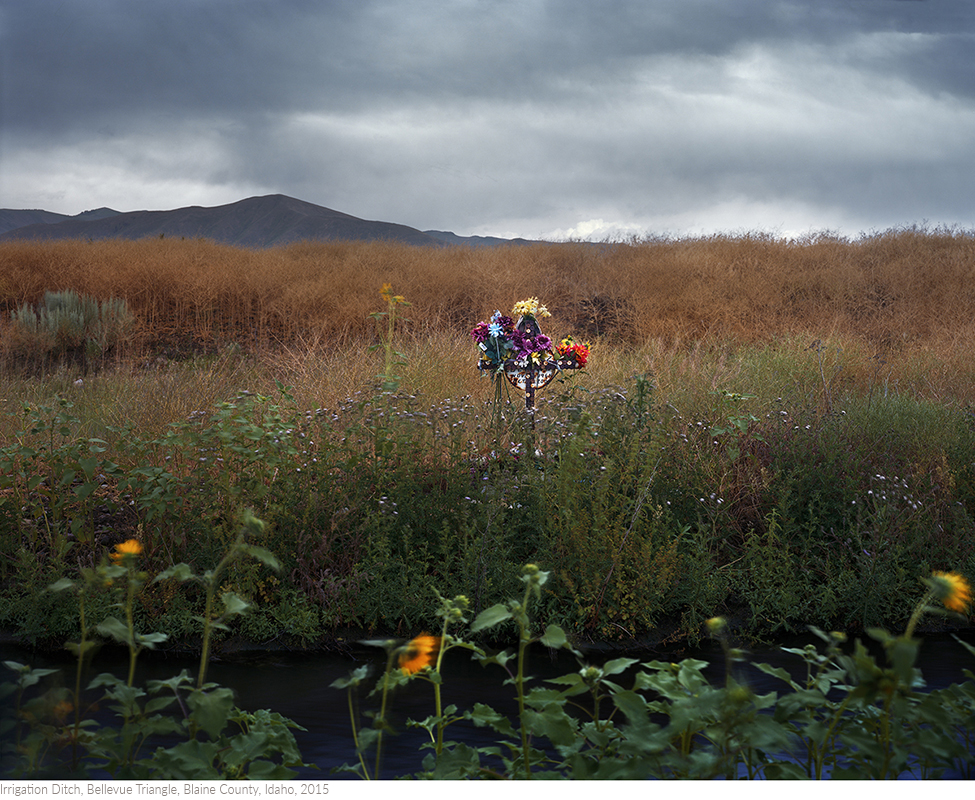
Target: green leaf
(483, 715)
(85, 490)
(554, 724)
(490, 617)
(150, 640)
(180, 572)
(105, 679)
(158, 704)
(618, 665)
(114, 628)
(539, 697)
(554, 637)
(88, 466)
(632, 704)
(785, 770)
(245, 748)
(28, 676)
(500, 659)
(172, 683)
(269, 771)
(210, 710)
(903, 655)
(233, 604)
(80, 649)
(456, 763)
(572, 679)
(777, 672)
(355, 678)
(191, 760)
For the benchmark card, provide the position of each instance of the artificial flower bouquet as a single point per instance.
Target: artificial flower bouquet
(578, 353)
(505, 340)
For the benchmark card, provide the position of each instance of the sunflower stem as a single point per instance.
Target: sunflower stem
(382, 711)
(919, 610)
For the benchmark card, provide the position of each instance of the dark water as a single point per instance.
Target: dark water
(298, 686)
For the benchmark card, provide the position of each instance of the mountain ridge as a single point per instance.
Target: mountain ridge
(255, 222)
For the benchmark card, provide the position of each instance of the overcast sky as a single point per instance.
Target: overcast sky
(566, 118)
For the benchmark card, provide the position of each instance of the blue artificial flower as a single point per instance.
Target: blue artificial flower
(494, 329)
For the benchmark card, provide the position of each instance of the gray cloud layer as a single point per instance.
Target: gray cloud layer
(532, 118)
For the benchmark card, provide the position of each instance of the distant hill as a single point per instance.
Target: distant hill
(473, 241)
(97, 213)
(255, 222)
(11, 219)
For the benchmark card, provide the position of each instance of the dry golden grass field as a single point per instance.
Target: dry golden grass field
(900, 305)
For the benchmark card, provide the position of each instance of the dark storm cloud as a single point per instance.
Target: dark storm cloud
(497, 117)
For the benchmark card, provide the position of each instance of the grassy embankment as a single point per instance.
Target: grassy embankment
(779, 432)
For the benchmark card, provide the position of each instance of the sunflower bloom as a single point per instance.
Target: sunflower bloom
(62, 710)
(419, 653)
(127, 548)
(953, 590)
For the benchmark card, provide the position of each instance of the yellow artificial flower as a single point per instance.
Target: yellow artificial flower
(953, 590)
(419, 653)
(529, 308)
(386, 291)
(127, 548)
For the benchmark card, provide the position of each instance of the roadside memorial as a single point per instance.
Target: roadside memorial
(513, 348)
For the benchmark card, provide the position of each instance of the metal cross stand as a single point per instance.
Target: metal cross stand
(530, 375)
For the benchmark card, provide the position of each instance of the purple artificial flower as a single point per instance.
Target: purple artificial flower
(520, 343)
(481, 332)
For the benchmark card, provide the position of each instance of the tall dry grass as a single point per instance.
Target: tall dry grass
(910, 288)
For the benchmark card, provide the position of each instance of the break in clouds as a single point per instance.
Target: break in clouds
(556, 119)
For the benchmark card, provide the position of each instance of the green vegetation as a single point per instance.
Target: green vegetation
(800, 455)
(67, 326)
(848, 718)
(653, 514)
(53, 735)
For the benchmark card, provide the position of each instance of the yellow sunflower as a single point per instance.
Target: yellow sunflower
(127, 548)
(419, 653)
(953, 590)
